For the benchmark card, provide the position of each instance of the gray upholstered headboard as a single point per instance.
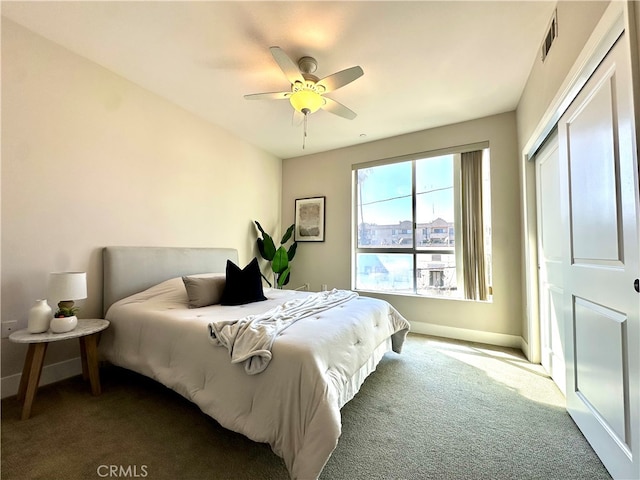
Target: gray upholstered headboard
(128, 270)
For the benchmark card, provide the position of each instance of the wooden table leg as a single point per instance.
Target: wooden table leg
(83, 359)
(26, 369)
(31, 376)
(89, 352)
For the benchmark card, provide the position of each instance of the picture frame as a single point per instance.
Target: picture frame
(309, 219)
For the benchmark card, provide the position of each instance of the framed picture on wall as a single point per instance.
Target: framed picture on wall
(309, 219)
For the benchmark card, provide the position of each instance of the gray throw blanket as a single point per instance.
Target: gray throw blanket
(249, 339)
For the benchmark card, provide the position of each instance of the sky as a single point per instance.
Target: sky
(386, 191)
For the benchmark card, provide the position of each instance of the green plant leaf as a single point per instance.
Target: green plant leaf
(66, 311)
(266, 246)
(260, 243)
(287, 234)
(260, 227)
(269, 247)
(292, 251)
(283, 278)
(280, 261)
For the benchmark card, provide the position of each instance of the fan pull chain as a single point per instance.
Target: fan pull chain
(304, 133)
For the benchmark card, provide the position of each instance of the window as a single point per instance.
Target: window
(408, 225)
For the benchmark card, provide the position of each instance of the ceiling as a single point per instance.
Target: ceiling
(425, 63)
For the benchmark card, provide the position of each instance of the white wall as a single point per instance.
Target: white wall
(329, 174)
(576, 22)
(90, 159)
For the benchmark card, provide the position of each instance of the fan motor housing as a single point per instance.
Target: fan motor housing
(307, 65)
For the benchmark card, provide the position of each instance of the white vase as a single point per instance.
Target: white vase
(39, 317)
(63, 324)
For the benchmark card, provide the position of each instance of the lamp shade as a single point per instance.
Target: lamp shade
(67, 286)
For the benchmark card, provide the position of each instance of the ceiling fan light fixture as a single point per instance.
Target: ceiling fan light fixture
(307, 89)
(306, 101)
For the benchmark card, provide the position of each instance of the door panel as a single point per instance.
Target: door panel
(600, 354)
(594, 192)
(599, 180)
(551, 238)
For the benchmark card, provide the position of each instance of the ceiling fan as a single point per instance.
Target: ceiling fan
(307, 91)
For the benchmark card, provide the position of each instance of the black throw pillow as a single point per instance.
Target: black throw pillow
(243, 285)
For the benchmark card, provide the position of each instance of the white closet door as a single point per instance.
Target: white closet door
(550, 248)
(601, 307)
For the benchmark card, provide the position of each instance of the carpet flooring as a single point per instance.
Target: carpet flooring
(440, 410)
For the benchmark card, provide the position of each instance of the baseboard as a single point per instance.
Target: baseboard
(50, 374)
(524, 346)
(478, 336)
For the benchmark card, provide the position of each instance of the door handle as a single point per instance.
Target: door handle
(636, 285)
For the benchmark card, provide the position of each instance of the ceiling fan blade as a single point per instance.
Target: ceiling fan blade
(340, 79)
(268, 96)
(288, 66)
(338, 109)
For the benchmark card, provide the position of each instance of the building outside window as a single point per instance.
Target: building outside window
(408, 223)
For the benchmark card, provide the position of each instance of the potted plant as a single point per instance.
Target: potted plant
(64, 320)
(280, 258)
(65, 311)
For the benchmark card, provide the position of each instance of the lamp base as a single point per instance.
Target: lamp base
(63, 324)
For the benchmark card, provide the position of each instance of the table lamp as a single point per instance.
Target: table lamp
(65, 287)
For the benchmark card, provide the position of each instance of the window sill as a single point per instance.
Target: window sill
(416, 295)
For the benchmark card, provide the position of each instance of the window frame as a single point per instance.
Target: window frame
(457, 152)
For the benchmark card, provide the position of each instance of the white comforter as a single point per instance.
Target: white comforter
(318, 364)
(249, 339)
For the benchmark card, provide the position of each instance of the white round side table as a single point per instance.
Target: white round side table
(87, 332)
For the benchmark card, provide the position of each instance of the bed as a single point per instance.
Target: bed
(315, 365)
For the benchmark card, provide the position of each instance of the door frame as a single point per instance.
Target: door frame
(618, 17)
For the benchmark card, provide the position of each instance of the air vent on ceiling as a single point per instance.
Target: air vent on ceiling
(552, 33)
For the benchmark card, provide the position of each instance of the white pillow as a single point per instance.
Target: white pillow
(204, 289)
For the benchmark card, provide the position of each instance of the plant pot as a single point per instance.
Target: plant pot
(63, 324)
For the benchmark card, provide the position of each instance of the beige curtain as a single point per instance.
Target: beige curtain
(475, 280)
